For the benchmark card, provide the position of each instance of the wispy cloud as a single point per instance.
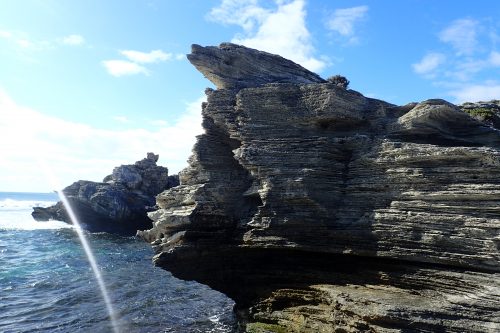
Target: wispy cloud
(429, 63)
(467, 61)
(78, 151)
(122, 119)
(494, 59)
(146, 58)
(462, 35)
(135, 62)
(280, 29)
(123, 68)
(477, 92)
(343, 21)
(5, 34)
(159, 122)
(26, 42)
(74, 40)
(247, 14)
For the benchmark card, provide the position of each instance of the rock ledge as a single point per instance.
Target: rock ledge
(317, 209)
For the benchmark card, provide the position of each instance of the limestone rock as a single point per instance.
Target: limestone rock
(320, 210)
(234, 66)
(119, 204)
(487, 112)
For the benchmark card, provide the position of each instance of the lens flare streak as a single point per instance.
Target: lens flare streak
(92, 261)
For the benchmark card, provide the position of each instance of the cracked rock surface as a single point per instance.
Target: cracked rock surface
(317, 209)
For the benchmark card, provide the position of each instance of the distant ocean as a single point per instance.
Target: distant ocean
(46, 284)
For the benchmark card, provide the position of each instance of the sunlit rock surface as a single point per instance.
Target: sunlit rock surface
(120, 203)
(232, 66)
(320, 210)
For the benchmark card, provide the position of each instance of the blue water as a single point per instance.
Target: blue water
(46, 284)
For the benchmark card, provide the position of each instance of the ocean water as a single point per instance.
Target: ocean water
(47, 285)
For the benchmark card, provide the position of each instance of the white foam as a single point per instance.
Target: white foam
(16, 215)
(11, 204)
(22, 220)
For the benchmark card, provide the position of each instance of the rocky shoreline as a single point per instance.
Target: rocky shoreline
(317, 209)
(119, 204)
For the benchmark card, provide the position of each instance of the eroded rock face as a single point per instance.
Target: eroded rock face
(231, 66)
(488, 112)
(320, 210)
(120, 203)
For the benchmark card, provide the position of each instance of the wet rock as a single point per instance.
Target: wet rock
(320, 210)
(120, 203)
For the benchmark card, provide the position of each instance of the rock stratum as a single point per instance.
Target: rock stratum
(117, 205)
(317, 209)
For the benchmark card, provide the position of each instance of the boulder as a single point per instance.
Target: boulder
(119, 204)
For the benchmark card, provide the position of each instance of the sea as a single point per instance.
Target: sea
(47, 284)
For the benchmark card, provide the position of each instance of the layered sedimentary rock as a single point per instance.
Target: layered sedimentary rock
(488, 112)
(320, 210)
(232, 66)
(120, 203)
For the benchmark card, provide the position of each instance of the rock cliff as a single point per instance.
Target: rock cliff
(317, 209)
(120, 203)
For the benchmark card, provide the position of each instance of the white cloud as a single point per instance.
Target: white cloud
(74, 40)
(122, 67)
(159, 123)
(467, 63)
(77, 151)
(343, 20)
(429, 63)
(29, 45)
(281, 30)
(24, 43)
(145, 58)
(465, 69)
(462, 35)
(494, 59)
(136, 59)
(5, 34)
(121, 119)
(477, 92)
(180, 56)
(246, 14)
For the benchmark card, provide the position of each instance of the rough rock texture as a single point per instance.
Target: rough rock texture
(320, 210)
(120, 203)
(488, 112)
(232, 66)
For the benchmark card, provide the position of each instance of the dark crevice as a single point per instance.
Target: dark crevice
(249, 274)
(435, 139)
(345, 171)
(239, 207)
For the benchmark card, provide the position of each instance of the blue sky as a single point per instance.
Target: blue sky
(88, 85)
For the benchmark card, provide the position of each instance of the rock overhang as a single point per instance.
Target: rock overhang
(291, 169)
(232, 66)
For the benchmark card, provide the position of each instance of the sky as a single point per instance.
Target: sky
(88, 85)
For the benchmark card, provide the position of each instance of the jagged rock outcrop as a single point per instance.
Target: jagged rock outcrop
(320, 210)
(232, 66)
(488, 112)
(120, 203)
